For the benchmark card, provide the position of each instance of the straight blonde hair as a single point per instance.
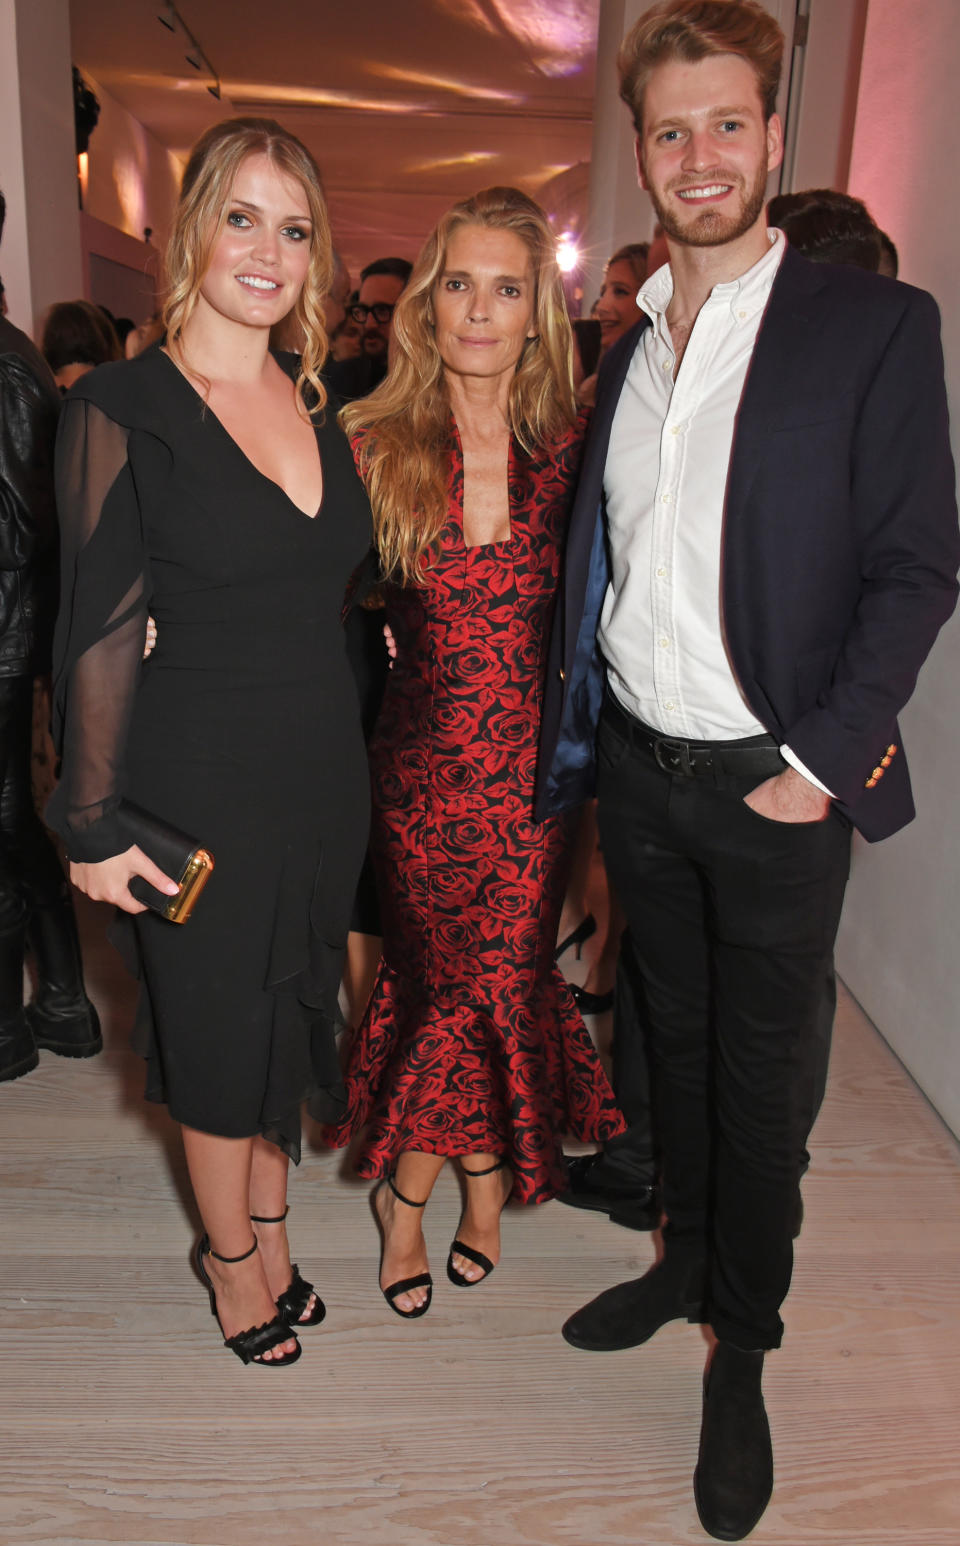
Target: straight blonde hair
(201, 215)
(404, 426)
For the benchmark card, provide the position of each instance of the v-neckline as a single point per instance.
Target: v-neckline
(482, 547)
(265, 477)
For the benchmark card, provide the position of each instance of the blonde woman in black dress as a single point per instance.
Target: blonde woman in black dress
(206, 482)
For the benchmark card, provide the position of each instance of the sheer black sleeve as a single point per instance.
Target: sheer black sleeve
(101, 628)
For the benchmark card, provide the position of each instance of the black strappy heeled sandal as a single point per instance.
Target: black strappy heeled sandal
(422, 1280)
(296, 1296)
(250, 1345)
(458, 1247)
(578, 936)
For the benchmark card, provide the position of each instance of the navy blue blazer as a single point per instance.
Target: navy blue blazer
(840, 543)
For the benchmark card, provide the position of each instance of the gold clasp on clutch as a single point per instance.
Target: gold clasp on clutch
(195, 876)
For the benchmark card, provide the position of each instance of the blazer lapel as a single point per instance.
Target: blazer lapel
(789, 324)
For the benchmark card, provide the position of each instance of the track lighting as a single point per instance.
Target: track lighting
(168, 16)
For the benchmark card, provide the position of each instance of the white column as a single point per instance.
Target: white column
(619, 211)
(40, 254)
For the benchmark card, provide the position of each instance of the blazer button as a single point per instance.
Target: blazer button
(562, 674)
(885, 761)
(870, 784)
(892, 750)
(877, 773)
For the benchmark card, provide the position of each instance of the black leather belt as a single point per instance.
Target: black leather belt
(757, 756)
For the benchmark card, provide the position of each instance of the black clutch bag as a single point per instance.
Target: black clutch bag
(178, 855)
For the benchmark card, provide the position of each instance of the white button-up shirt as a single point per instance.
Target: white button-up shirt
(661, 627)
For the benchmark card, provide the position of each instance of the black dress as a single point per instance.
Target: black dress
(243, 729)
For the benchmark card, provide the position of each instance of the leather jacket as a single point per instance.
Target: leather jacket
(29, 409)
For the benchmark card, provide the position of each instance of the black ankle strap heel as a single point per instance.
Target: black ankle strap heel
(249, 1345)
(294, 1303)
(501, 1164)
(400, 1197)
(422, 1279)
(230, 1260)
(458, 1247)
(256, 1218)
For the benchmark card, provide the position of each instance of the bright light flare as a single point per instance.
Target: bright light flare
(568, 255)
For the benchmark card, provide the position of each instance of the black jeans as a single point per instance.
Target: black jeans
(30, 873)
(732, 920)
(634, 1157)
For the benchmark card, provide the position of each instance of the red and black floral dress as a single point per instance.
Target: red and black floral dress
(471, 1042)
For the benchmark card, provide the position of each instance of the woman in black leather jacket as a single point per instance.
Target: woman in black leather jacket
(35, 908)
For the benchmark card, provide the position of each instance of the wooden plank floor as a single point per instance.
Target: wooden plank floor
(124, 1420)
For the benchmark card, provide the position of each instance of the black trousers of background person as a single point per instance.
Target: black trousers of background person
(30, 872)
(731, 921)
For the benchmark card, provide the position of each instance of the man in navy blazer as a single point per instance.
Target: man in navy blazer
(762, 551)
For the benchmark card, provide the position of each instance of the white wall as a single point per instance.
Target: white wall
(38, 165)
(823, 109)
(133, 180)
(899, 950)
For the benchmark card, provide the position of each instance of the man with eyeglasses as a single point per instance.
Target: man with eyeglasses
(381, 285)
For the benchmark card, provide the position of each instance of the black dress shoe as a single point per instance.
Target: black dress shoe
(593, 1184)
(734, 1476)
(630, 1313)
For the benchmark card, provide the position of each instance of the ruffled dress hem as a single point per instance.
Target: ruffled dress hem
(458, 1079)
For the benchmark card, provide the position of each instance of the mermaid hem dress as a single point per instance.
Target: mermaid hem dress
(471, 1042)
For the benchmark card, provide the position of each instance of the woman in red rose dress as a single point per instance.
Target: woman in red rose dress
(471, 1047)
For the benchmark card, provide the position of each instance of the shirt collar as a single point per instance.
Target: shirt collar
(745, 296)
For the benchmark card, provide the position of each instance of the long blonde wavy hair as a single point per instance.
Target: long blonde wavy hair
(405, 424)
(200, 217)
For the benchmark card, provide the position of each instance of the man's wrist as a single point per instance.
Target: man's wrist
(805, 790)
(793, 761)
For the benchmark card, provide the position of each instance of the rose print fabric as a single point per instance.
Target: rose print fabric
(472, 1042)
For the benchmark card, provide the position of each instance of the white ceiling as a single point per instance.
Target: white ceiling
(406, 106)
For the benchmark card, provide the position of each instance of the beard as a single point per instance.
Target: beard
(713, 227)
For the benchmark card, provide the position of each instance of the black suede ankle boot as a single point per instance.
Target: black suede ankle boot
(60, 1016)
(630, 1313)
(734, 1476)
(18, 1054)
